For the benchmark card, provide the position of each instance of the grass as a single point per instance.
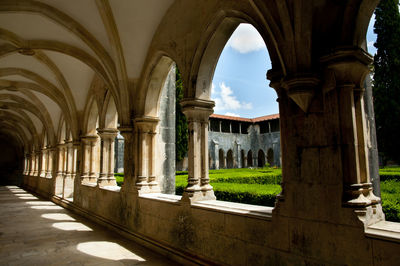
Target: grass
(261, 185)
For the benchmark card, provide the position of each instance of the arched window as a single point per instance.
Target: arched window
(242, 159)
(221, 159)
(261, 158)
(249, 159)
(270, 157)
(229, 159)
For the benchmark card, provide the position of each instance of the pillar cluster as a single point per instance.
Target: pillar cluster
(197, 113)
(146, 180)
(107, 138)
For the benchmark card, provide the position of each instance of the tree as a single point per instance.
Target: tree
(387, 79)
(181, 133)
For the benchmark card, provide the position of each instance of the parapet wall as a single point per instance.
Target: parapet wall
(216, 232)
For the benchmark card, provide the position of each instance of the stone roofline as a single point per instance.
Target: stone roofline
(249, 120)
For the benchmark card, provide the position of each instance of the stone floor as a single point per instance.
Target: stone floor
(34, 231)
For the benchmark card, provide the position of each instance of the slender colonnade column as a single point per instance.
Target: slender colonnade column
(197, 113)
(146, 180)
(106, 177)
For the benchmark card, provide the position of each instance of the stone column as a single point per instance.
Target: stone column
(30, 164)
(61, 159)
(153, 184)
(349, 80)
(245, 161)
(146, 180)
(42, 163)
(60, 172)
(68, 180)
(36, 169)
(88, 143)
(216, 154)
(25, 164)
(75, 159)
(106, 177)
(93, 160)
(239, 156)
(50, 162)
(129, 166)
(68, 158)
(197, 113)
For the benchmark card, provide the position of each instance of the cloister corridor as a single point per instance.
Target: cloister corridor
(34, 231)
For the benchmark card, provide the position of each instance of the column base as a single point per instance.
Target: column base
(85, 178)
(365, 204)
(106, 181)
(92, 178)
(49, 175)
(197, 193)
(153, 185)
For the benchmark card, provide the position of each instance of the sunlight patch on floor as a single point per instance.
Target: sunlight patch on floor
(28, 197)
(58, 216)
(43, 203)
(47, 207)
(107, 250)
(71, 226)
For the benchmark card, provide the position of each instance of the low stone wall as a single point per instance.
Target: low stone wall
(216, 232)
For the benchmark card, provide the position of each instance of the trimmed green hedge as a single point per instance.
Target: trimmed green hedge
(119, 177)
(390, 193)
(251, 186)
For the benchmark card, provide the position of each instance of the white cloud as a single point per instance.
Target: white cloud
(232, 114)
(227, 100)
(370, 44)
(246, 39)
(212, 89)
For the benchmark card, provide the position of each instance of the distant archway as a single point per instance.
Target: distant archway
(221, 158)
(242, 159)
(261, 158)
(229, 159)
(250, 159)
(270, 157)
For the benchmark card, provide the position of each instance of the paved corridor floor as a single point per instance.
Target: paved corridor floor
(34, 231)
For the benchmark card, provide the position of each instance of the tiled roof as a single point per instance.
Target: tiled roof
(249, 120)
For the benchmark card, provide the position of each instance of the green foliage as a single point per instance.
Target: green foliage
(119, 177)
(181, 173)
(387, 79)
(251, 186)
(390, 193)
(181, 126)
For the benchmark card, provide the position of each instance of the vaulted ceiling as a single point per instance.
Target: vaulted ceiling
(53, 51)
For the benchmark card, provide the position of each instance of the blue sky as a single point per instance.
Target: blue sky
(240, 87)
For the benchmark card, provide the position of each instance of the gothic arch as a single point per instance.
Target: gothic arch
(249, 158)
(261, 158)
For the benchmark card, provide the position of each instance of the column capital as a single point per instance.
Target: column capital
(107, 133)
(300, 87)
(197, 109)
(89, 138)
(127, 132)
(146, 124)
(346, 65)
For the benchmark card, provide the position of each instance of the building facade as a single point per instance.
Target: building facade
(236, 142)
